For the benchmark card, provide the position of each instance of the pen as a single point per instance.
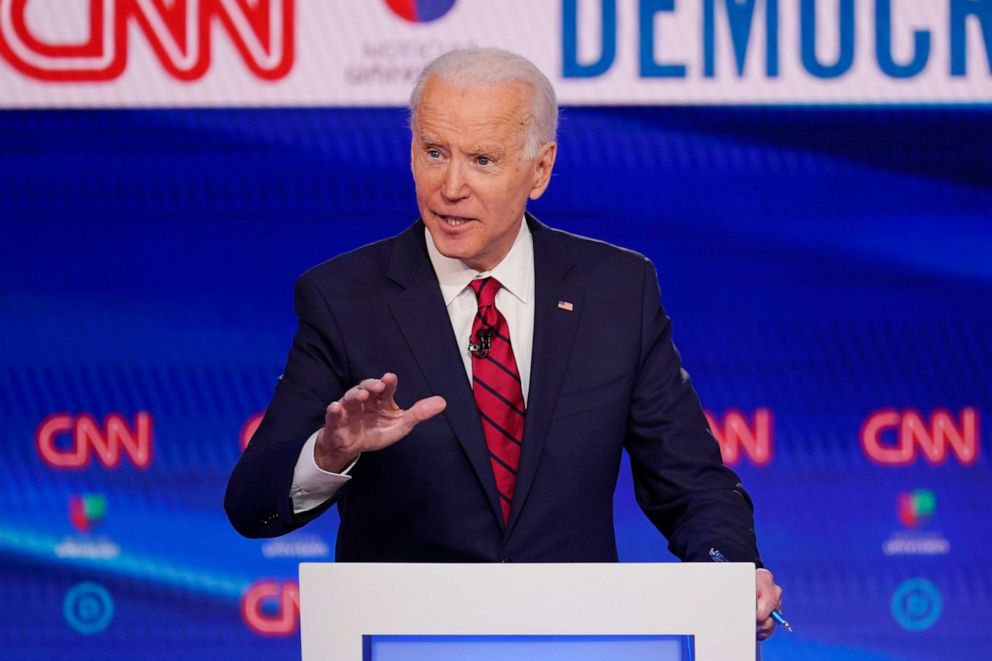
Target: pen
(717, 556)
(781, 620)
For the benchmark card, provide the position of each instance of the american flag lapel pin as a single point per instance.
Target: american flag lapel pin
(566, 306)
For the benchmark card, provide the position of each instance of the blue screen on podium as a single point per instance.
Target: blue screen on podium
(533, 648)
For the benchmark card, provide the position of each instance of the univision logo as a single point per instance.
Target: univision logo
(917, 507)
(86, 511)
(420, 11)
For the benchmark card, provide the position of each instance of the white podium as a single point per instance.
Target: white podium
(381, 612)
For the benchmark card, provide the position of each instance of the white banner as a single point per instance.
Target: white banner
(77, 53)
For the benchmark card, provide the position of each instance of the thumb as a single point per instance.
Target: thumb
(426, 408)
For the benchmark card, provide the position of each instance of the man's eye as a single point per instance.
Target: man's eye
(483, 160)
(434, 153)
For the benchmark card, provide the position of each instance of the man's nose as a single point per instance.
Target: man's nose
(454, 186)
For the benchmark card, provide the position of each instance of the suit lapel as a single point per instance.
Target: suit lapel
(554, 333)
(419, 311)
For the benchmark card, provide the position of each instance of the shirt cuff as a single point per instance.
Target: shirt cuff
(312, 485)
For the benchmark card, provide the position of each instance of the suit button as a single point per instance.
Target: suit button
(505, 560)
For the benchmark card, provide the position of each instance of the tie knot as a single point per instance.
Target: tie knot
(485, 291)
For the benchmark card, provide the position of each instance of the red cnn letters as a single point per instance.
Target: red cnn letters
(734, 433)
(86, 438)
(897, 438)
(178, 32)
(272, 609)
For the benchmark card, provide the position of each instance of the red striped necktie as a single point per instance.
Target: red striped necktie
(498, 395)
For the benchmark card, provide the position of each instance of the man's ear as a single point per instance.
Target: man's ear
(544, 163)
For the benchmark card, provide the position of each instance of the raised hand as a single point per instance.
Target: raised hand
(366, 419)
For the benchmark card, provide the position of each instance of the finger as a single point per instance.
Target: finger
(371, 389)
(333, 415)
(764, 608)
(354, 397)
(768, 603)
(391, 382)
(374, 386)
(343, 412)
(766, 629)
(768, 595)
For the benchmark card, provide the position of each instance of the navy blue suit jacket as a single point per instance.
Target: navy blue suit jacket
(605, 377)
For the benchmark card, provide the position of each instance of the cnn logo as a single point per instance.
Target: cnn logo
(49, 42)
(898, 438)
(270, 608)
(66, 441)
(739, 436)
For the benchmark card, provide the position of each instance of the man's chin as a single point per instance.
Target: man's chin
(452, 251)
(450, 243)
(462, 251)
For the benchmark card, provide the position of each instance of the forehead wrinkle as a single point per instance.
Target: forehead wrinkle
(506, 127)
(496, 138)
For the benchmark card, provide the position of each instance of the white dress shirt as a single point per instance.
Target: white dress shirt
(515, 300)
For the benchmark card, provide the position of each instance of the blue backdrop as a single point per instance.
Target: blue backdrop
(824, 268)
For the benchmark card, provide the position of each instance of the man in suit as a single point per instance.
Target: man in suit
(464, 391)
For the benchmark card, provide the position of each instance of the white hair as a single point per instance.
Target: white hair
(482, 67)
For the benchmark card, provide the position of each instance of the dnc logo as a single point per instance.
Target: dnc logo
(420, 11)
(88, 607)
(917, 604)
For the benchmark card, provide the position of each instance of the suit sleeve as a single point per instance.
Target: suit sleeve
(257, 500)
(679, 478)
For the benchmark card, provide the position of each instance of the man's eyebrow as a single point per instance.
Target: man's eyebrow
(428, 140)
(493, 150)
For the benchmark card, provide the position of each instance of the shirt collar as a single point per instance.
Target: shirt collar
(515, 272)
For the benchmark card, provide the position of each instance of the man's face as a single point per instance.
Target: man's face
(471, 172)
